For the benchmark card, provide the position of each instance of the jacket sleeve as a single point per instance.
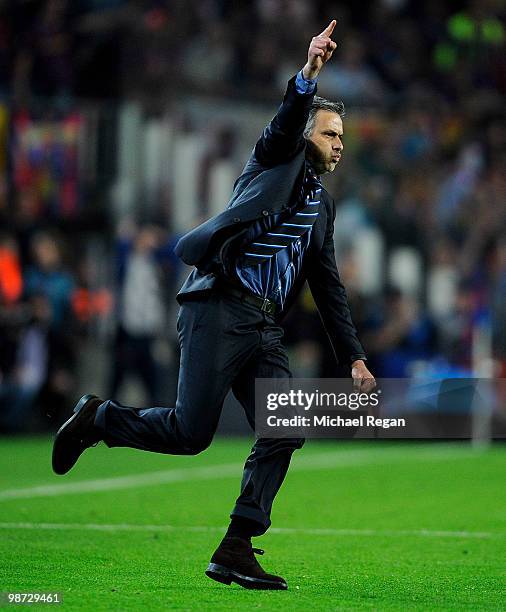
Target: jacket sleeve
(330, 297)
(283, 137)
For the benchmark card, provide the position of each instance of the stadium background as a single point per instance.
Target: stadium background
(123, 123)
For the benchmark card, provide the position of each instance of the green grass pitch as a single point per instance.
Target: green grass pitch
(358, 526)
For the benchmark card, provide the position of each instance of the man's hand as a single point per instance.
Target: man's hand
(320, 51)
(363, 380)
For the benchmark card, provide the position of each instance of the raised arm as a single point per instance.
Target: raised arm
(283, 138)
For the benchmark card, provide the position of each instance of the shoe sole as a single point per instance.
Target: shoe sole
(225, 575)
(77, 409)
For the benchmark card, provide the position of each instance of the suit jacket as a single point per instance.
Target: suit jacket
(269, 182)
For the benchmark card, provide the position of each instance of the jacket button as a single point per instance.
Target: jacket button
(265, 213)
(237, 219)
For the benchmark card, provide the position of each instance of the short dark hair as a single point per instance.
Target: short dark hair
(322, 104)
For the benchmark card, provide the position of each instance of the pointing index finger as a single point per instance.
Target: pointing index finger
(329, 29)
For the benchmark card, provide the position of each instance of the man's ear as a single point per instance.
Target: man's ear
(310, 146)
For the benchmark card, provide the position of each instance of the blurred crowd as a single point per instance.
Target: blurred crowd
(51, 301)
(423, 176)
(36, 332)
(95, 48)
(108, 48)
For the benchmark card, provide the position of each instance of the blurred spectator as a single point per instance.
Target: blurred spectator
(455, 189)
(45, 163)
(48, 277)
(349, 77)
(207, 59)
(457, 331)
(142, 306)
(43, 371)
(11, 312)
(399, 334)
(11, 279)
(498, 299)
(38, 332)
(91, 303)
(51, 50)
(6, 50)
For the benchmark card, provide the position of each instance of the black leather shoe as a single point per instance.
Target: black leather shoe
(234, 561)
(77, 434)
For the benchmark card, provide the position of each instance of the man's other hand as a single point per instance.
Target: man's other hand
(320, 51)
(363, 380)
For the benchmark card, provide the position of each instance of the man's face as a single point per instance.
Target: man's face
(324, 144)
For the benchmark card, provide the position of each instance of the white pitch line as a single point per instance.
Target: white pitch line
(275, 530)
(301, 463)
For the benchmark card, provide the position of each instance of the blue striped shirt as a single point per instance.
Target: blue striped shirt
(274, 278)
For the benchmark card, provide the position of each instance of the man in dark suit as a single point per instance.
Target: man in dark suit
(250, 262)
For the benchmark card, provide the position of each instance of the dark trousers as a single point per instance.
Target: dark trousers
(225, 344)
